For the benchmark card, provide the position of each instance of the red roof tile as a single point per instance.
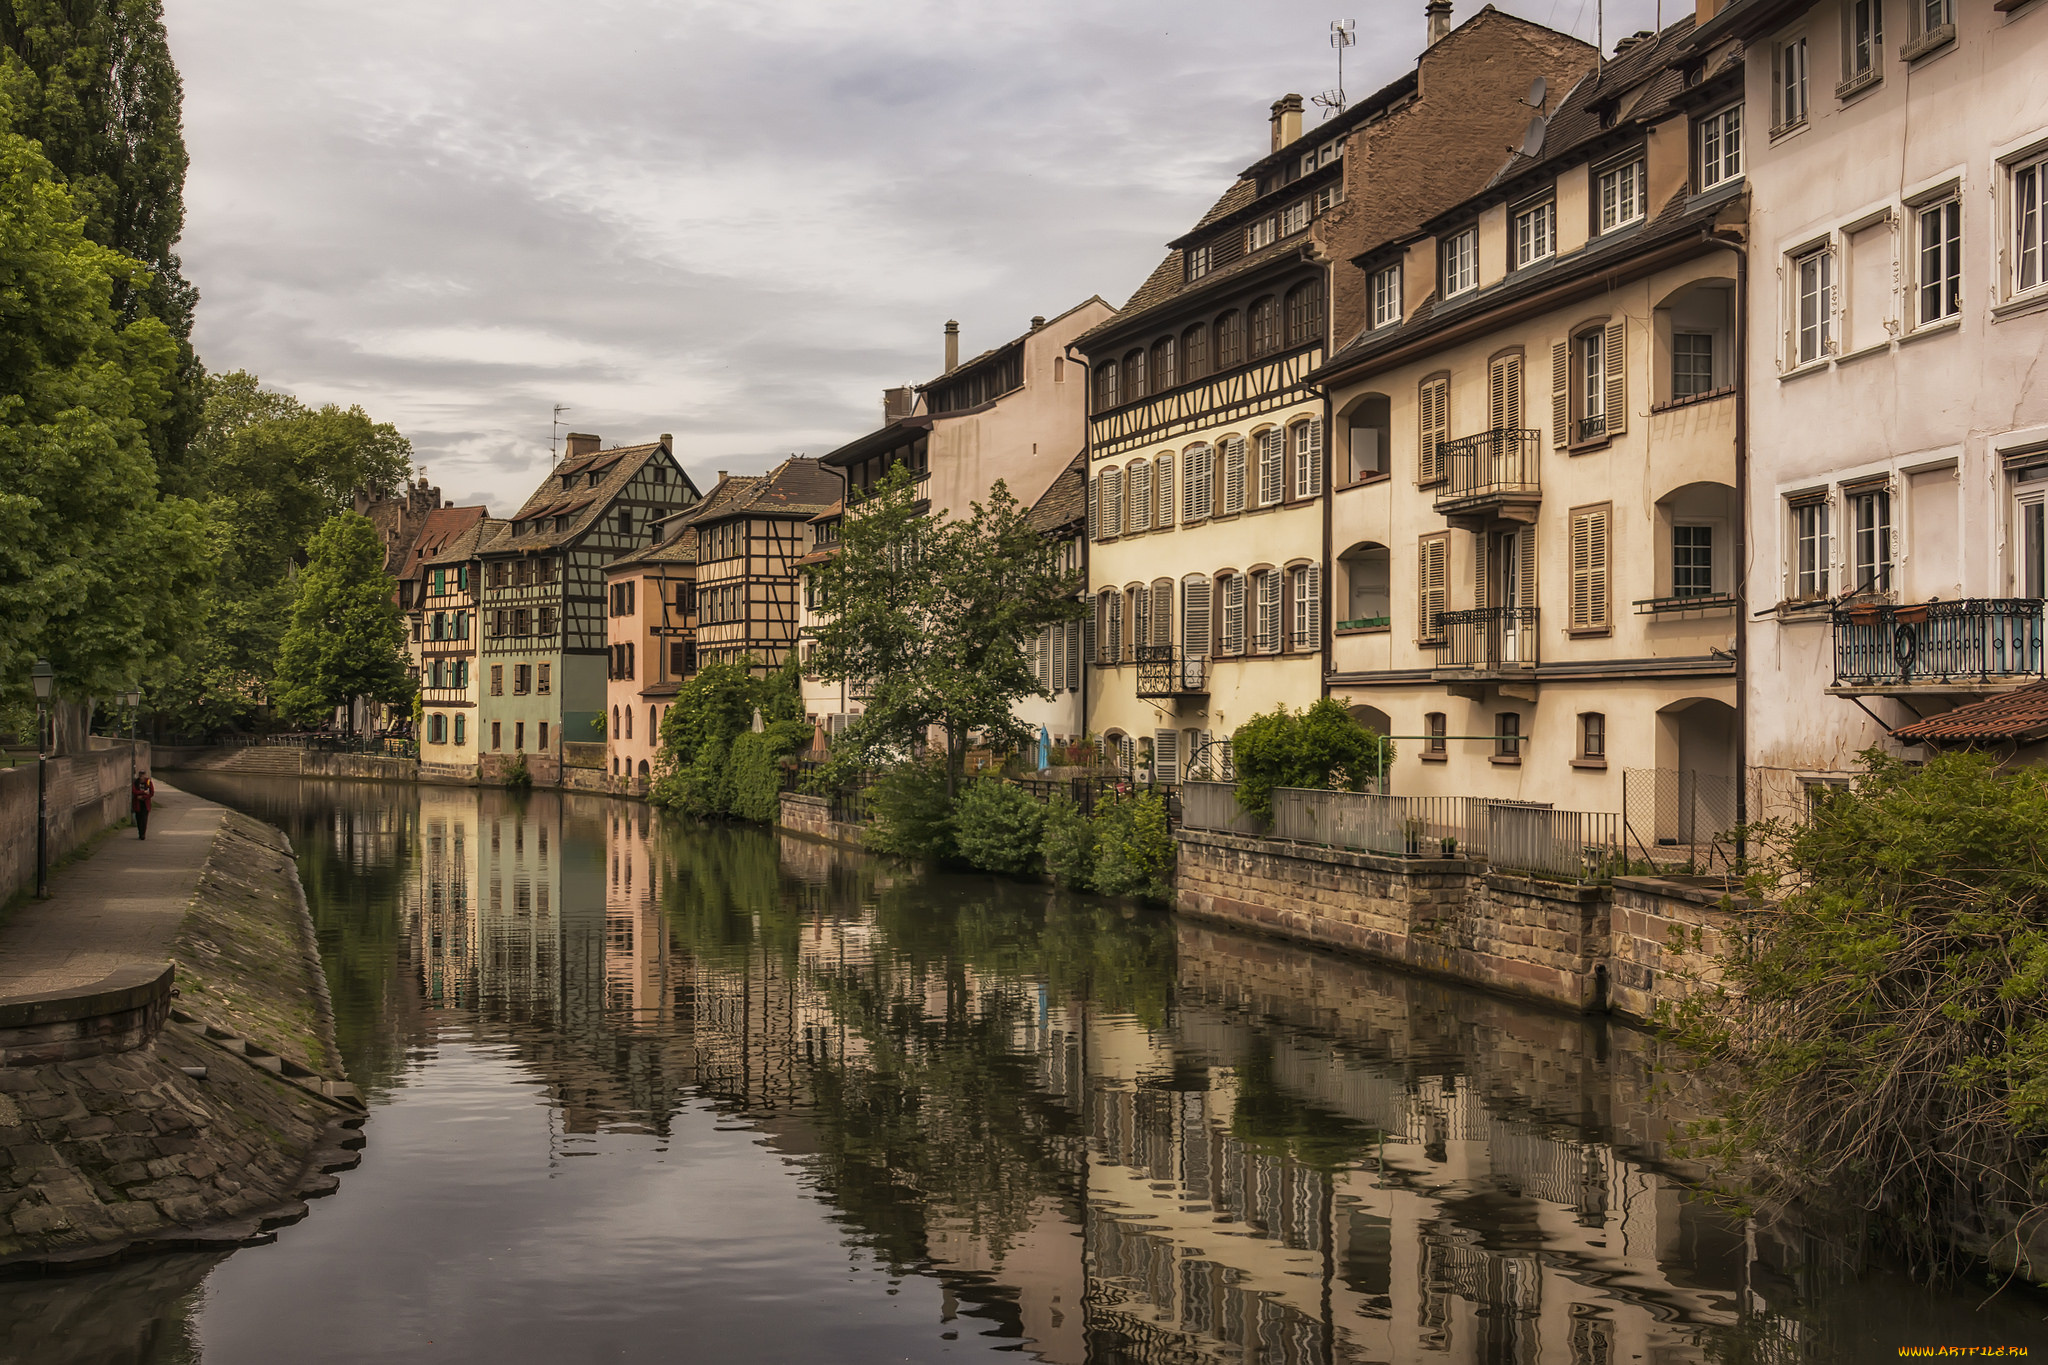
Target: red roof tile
(2021, 714)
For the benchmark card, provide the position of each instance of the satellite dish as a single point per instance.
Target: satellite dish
(1538, 88)
(1532, 141)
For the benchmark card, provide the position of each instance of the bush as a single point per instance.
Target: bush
(1133, 847)
(516, 773)
(913, 816)
(1322, 748)
(755, 780)
(1067, 844)
(997, 826)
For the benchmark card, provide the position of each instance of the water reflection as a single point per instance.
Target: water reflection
(1036, 1123)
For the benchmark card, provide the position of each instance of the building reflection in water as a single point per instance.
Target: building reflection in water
(1111, 1137)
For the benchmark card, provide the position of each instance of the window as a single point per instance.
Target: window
(1272, 465)
(1692, 364)
(522, 621)
(1330, 195)
(462, 673)
(519, 735)
(1721, 147)
(1590, 357)
(1308, 458)
(497, 680)
(1593, 736)
(1305, 313)
(522, 679)
(1941, 260)
(1162, 491)
(1810, 549)
(1198, 262)
(1461, 261)
(1386, 296)
(1870, 518)
(1308, 607)
(543, 736)
(1788, 84)
(1433, 418)
(497, 735)
(1199, 484)
(546, 671)
(1135, 383)
(462, 729)
(1692, 561)
(1140, 477)
(1265, 325)
(1294, 218)
(1105, 385)
(1261, 233)
(1813, 305)
(1433, 583)
(1590, 552)
(547, 621)
(1535, 234)
(1233, 474)
(2028, 179)
(1165, 365)
(1507, 736)
(1621, 195)
(1436, 726)
(625, 521)
(1504, 409)
(1862, 44)
(437, 729)
(1194, 353)
(1268, 587)
(1230, 340)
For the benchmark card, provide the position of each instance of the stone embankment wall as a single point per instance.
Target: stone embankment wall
(211, 1132)
(580, 770)
(811, 816)
(84, 794)
(1624, 948)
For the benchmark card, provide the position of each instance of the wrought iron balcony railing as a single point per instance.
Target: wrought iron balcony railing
(1502, 464)
(1488, 640)
(1164, 671)
(1938, 644)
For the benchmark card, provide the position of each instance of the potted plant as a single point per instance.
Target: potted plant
(1450, 846)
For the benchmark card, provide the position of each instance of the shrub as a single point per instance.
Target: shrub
(997, 826)
(1322, 748)
(516, 774)
(913, 817)
(754, 779)
(1067, 844)
(1133, 847)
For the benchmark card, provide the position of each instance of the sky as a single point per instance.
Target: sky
(734, 222)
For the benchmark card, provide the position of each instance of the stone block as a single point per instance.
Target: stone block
(94, 1125)
(37, 1220)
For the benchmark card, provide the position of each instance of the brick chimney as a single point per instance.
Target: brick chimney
(578, 443)
(952, 345)
(1438, 13)
(1286, 120)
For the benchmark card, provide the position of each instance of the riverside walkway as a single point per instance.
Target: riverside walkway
(121, 904)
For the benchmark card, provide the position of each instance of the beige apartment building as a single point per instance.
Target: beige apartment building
(1898, 315)
(1535, 536)
(1206, 443)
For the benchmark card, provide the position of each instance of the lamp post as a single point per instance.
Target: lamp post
(134, 700)
(44, 677)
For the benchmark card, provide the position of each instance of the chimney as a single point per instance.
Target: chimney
(668, 440)
(1286, 120)
(898, 402)
(1439, 16)
(578, 443)
(1037, 321)
(721, 476)
(1704, 10)
(1639, 36)
(952, 345)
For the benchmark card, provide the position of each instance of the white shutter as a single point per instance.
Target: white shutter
(1162, 615)
(1094, 514)
(1227, 760)
(1112, 502)
(1045, 657)
(1561, 394)
(1059, 655)
(1272, 465)
(1233, 614)
(1078, 633)
(1432, 574)
(1141, 496)
(1269, 612)
(1113, 644)
(1199, 482)
(1233, 474)
(1194, 619)
(1166, 756)
(1616, 356)
(1162, 478)
(1088, 638)
(1308, 607)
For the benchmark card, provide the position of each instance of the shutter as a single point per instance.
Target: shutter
(1233, 474)
(1112, 501)
(1283, 624)
(1589, 556)
(1162, 476)
(1141, 617)
(1200, 479)
(1482, 557)
(1141, 496)
(1433, 406)
(1269, 612)
(1504, 394)
(1615, 353)
(1432, 576)
(1045, 657)
(1561, 394)
(1308, 608)
(1079, 635)
(1166, 755)
(1094, 516)
(1162, 615)
(1058, 636)
(1227, 759)
(1088, 636)
(1194, 619)
(1309, 476)
(1233, 614)
(1113, 635)
(1272, 466)
(1525, 543)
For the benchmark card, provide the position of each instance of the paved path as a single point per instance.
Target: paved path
(122, 904)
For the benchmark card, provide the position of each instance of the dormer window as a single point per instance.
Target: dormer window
(1720, 147)
(1386, 295)
(1198, 262)
(595, 478)
(568, 482)
(1621, 197)
(1461, 261)
(1262, 233)
(1294, 218)
(1535, 233)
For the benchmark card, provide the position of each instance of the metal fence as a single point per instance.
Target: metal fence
(1213, 806)
(1568, 845)
(1398, 826)
(1085, 787)
(1680, 817)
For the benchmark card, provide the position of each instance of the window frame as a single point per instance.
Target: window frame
(1458, 262)
(1593, 737)
(1635, 166)
(1547, 206)
(1881, 534)
(1788, 53)
(1858, 76)
(1695, 560)
(1944, 211)
(1821, 256)
(1690, 374)
(1507, 737)
(1712, 154)
(1384, 296)
(1436, 731)
(1811, 562)
(2025, 216)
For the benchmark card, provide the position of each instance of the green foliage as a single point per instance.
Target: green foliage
(755, 763)
(1877, 1042)
(933, 614)
(997, 826)
(913, 815)
(1067, 844)
(1322, 748)
(98, 570)
(347, 638)
(517, 775)
(710, 762)
(1134, 847)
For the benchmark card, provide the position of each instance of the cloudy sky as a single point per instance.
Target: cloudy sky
(736, 222)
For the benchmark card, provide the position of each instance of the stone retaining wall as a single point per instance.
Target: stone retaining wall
(811, 816)
(85, 793)
(1579, 947)
(118, 1013)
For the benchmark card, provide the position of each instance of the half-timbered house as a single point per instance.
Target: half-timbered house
(543, 649)
(748, 540)
(445, 632)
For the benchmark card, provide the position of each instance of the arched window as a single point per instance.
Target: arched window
(1230, 340)
(1135, 383)
(1265, 325)
(1106, 395)
(1165, 372)
(615, 720)
(629, 722)
(1194, 353)
(1305, 313)
(653, 723)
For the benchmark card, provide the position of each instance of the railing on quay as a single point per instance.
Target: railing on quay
(1397, 826)
(318, 741)
(1085, 787)
(1979, 639)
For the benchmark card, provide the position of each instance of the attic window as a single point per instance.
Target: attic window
(568, 481)
(595, 478)
(1608, 112)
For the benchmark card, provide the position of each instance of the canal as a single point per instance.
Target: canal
(646, 1090)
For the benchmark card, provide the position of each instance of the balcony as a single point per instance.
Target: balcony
(1493, 476)
(1164, 671)
(1487, 642)
(1972, 646)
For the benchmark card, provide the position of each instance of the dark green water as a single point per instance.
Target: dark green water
(647, 1091)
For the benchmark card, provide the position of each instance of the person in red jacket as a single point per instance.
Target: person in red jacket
(140, 795)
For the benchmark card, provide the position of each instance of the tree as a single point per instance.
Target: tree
(93, 82)
(100, 573)
(1322, 748)
(934, 615)
(695, 764)
(346, 639)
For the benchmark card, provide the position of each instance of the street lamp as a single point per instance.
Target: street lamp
(45, 678)
(134, 700)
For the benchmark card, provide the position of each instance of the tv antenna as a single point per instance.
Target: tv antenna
(554, 432)
(1343, 34)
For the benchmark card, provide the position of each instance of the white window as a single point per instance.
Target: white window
(1692, 364)
(1461, 261)
(1592, 376)
(1621, 195)
(1198, 262)
(1721, 147)
(1269, 612)
(1294, 218)
(1308, 459)
(1789, 83)
(1862, 41)
(1870, 515)
(1535, 234)
(1932, 16)
(1329, 196)
(1941, 260)
(1386, 296)
(1813, 305)
(1272, 465)
(1810, 550)
(1308, 607)
(1199, 484)
(2029, 177)
(1263, 233)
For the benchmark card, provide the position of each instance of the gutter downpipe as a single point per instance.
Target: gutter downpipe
(1087, 524)
(1738, 242)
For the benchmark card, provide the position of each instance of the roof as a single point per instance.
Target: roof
(441, 528)
(1744, 18)
(798, 487)
(885, 437)
(2017, 715)
(971, 362)
(583, 505)
(461, 547)
(1065, 501)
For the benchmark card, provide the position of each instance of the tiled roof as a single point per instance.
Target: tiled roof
(2018, 715)
(1066, 501)
(585, 505)
(462, 547)
(441, 528)
(972, 361)
(799, 486)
